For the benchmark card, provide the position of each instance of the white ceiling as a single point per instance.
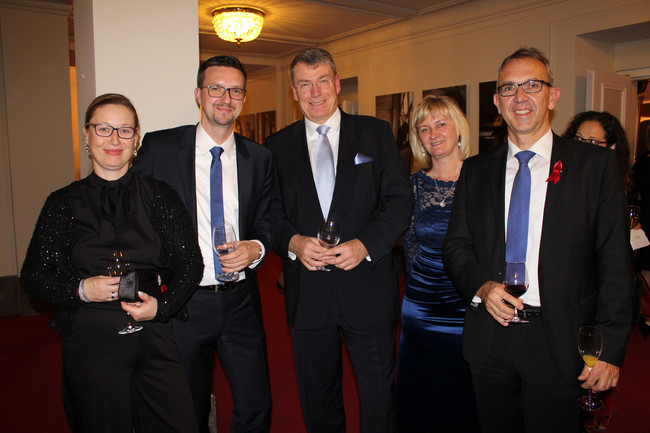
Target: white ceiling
(291, 25)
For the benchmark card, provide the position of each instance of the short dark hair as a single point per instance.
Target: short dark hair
(227, 61)
(614, 134)
(312, 57)
(110, 99)
(528, 53)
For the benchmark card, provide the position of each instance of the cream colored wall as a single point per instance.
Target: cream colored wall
(633, 55)
(147, 50)
(36, 139)
(465, 45)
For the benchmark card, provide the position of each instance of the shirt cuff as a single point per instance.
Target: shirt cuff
(262, 253)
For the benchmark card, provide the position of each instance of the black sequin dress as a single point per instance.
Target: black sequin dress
(112, 381)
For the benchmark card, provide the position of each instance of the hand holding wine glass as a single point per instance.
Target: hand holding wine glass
(118, 265)
(516, 284)
(590, 346)
(329, 236)
(223, 237)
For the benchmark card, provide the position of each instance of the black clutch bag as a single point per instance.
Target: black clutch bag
(128, 288)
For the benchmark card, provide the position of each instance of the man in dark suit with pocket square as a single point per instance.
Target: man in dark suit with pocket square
(558, 206)
(331, 164)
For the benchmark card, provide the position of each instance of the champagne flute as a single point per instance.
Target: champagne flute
(516, 284)
(224, 234)
(590, 346)
(329, 236)
(118, 265)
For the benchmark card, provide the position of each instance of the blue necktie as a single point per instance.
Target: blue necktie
(519, 210)
(216, 199)
(325, 177)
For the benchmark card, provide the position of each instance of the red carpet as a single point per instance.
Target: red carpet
(30, 375)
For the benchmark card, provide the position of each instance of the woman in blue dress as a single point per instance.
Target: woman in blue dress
(434, 389)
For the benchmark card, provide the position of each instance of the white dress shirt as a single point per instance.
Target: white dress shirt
(334, 123)
(203, 160)
(539, 169)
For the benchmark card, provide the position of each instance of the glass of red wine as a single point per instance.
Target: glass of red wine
(118, 264)
(516, 284)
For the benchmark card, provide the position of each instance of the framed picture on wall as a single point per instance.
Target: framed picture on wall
(245, 125)
(457, 93)
(265, 126)
(492, 128)
(396, 110)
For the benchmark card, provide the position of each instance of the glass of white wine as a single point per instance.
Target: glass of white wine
(329, 236)
(222, 235)
(590, 346)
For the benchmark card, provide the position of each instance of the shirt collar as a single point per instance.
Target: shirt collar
(204, 142)
(542, 147)
(333, 122)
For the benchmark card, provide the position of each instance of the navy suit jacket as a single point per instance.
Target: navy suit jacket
(584, 261)
(372, 199)
(169, 155)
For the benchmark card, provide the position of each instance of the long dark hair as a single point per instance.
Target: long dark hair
(614, 135)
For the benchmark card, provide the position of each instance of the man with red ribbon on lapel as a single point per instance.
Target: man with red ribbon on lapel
(559, 206)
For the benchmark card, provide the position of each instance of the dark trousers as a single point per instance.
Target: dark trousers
(518, 387)
(317, 354)
(226, 322)
(117, 383)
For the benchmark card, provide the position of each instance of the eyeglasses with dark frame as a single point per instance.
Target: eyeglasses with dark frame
(217, 91)
(104, 130)
(590, 140)
(530, 86)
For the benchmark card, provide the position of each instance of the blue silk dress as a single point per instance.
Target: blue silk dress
(434, 390)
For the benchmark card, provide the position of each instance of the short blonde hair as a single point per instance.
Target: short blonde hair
(447, 108)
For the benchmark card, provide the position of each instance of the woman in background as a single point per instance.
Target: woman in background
(116, 383)
(603, 129)
(434, 390)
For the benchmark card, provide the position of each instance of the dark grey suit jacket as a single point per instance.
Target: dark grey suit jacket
(169, 155)
(584, 262)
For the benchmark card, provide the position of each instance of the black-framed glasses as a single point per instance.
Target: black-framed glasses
(217, 91)
(104, 130)
(531, 86)
(306, 86)
(590, 140)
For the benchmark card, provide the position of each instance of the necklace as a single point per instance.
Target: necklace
(453, 187)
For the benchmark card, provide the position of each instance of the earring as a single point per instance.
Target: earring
(87, 147)
(135, 152)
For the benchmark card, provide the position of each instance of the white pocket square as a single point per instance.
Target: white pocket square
(362, 159)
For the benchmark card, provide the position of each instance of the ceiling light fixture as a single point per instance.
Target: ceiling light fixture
(237, 23)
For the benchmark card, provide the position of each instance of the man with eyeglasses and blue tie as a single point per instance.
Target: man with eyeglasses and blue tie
(222, 178)
(559, 207)
(346, 167)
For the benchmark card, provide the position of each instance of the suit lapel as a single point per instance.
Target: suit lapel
(302, 166)
(348, 146)
(245, 172)
(555, 199)
(185, 158)
(497, 175)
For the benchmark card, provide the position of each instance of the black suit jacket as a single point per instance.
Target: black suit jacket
(169, 155)
(584, 260)
(372, 199)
